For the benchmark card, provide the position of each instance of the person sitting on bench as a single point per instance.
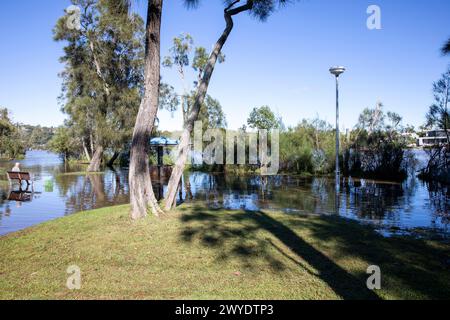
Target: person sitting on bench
(16, 173)
(16, 168)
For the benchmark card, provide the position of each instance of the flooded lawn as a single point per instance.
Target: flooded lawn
(411, 207)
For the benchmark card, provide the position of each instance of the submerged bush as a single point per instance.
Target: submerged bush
(376, 148)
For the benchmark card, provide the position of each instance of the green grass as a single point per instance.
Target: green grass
(197, 253)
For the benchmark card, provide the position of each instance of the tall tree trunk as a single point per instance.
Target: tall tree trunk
(91, 142)
(199, 98)
(113, 159)
(141, 191)
(96, 160)
(86, 151)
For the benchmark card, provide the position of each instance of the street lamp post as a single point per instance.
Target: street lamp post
(337, 71)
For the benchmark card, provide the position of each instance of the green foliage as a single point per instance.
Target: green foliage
(36, 137)
(308, 148)
(64, 142)
(376, 148)
(260, 9)
(211, 112)
(182, 46)
(264, 118)
(102, 80)
(168, 99)
(201, 60)
(167, 159)
(11, 145)
(438, 117)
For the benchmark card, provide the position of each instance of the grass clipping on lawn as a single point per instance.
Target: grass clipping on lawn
(198, 253)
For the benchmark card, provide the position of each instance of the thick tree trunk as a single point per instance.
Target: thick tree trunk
(91, 141)
(141, 191)
(183, 148)
(113, 159)
(96, 160)
(86, 151)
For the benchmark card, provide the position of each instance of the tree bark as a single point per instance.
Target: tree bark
(141, 191)
(86, 151)
(96, 160)
(199, 98)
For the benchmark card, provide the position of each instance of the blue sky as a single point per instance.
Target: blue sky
(282, 63)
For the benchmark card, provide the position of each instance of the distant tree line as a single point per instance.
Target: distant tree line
(36, 137)
(11, 145)
(377, 147)
(16, 139)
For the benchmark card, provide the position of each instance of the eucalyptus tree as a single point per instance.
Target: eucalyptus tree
(260, 9)
(142, 196)
(141, 192)
(438, 116)
(264, 118)
(103, 74)
(180, 58)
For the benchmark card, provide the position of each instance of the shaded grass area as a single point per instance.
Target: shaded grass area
(198, 253)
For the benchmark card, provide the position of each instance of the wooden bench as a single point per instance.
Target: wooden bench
(19, 176)
(20, 196)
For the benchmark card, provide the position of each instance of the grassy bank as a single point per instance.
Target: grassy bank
(196, 253)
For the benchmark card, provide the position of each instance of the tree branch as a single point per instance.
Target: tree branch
(232, 5)
(231, 12)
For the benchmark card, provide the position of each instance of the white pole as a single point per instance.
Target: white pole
(337, 136)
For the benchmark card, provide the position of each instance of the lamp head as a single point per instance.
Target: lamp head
(337, 71)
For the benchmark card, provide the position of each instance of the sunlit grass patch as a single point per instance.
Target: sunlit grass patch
(198, 253)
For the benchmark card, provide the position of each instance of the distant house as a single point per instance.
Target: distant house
(411, 138)
(433, 138)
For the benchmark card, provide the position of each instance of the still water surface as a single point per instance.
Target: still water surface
(412, 207)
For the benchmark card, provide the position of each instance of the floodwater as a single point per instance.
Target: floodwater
(412, 207)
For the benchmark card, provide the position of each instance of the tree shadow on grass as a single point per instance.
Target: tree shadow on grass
(417, 265)
(236, 235)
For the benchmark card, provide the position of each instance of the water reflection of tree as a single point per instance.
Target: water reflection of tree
(229, 191)
(439, 196)
(360, 198)
(4, 208)
(374, 200)
(305, 195)
(92, 191)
